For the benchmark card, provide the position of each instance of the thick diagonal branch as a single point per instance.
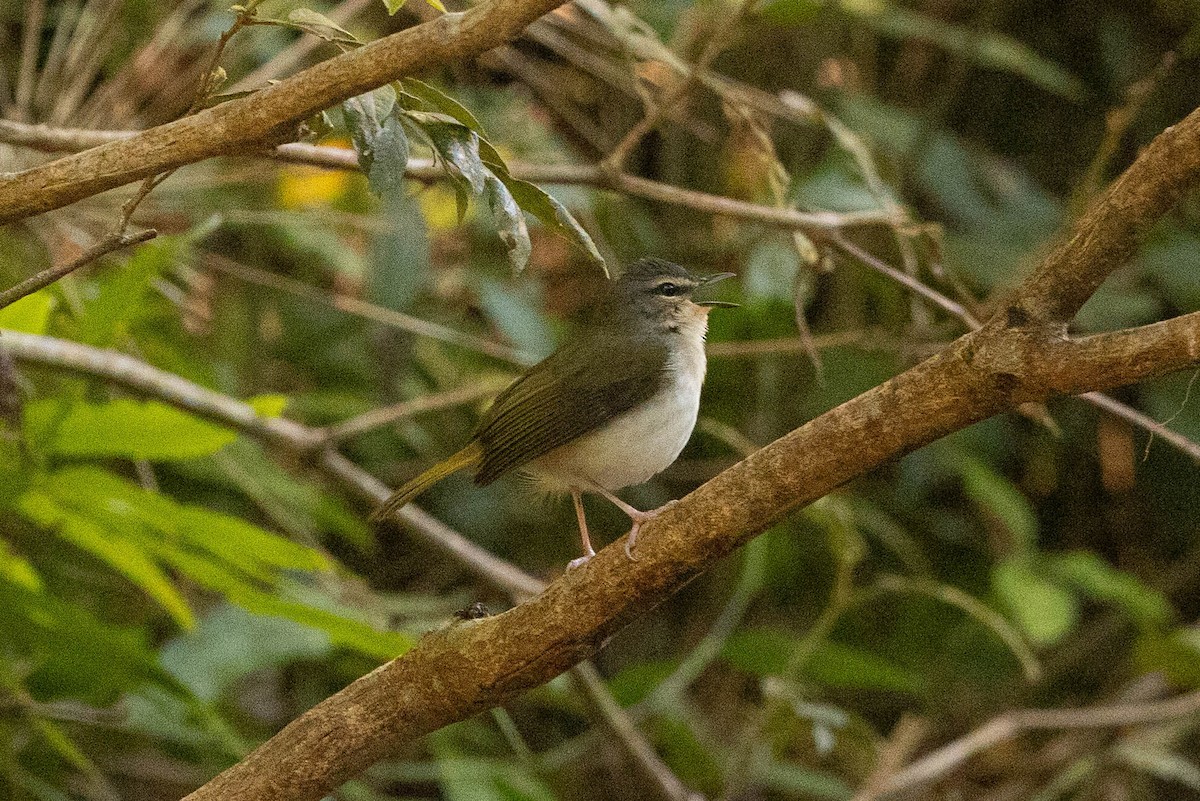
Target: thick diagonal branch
(1109, 232)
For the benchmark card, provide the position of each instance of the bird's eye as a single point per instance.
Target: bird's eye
(669, 289)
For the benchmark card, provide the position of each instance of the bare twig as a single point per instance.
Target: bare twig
(619, 723)
(905, 738)
(369, 311)
(1013, 724)
(31, 37)
(1116, 124)
(1144, 421)
(754, 348)
(51, 274)
(909, 281)
(69, 140)
(377, 418)
(615, 160)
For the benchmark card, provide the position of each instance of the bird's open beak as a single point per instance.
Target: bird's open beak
(715, 304)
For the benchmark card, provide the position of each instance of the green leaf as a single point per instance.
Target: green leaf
(1043, 610)
(17, 570)
(836, 665)
(67, 652)
(1099, 580)
(552, 214)
(470, 779)
(439, 101)
(457, 145)
(1176, 655)
(122, 506)
(319, 25)
(268, 405)
(48, 510)
(244, 544)
(30, 314)
(341, 626)
(635, 682)
(766, 652)
(393, 6)
(457, 137)
(124, 427)
(386, 175)
(122, 298)
(797, 781)
(511, 221)
(998, 495)
(229, 643)
(364, 115)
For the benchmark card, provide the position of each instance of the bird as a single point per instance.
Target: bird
(612, 407)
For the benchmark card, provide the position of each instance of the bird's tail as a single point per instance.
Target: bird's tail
(469, 456)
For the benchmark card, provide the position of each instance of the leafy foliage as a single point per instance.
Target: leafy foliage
(173, 592)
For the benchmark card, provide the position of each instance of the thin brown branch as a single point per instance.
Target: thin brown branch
(1013, 724)
(904, 739)
(143, 379)
(377, 418)
(593, 688)
(615, 160)
(245, 123)
(1109, 232)
(1155, 428)
(51, 274)
(753, 348)
(910, 282)
(35, 14)
(368, 310)
(73, 140)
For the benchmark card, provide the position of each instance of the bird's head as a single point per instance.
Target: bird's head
(660, 293)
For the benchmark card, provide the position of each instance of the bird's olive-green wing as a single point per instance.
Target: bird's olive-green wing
(576, 390)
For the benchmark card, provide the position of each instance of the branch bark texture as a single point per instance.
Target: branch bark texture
(250, 122)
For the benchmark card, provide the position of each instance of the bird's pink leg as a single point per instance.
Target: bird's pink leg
(588, 553)
(636, 515)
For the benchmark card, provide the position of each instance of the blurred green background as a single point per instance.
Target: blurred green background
(172, 593)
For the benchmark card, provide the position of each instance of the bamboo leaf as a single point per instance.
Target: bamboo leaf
(124, 427)
(45, 509)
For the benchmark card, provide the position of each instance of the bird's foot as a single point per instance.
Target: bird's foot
(638, 519)
(583, 560)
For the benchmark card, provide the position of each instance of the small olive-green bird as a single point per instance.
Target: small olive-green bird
(609, 409)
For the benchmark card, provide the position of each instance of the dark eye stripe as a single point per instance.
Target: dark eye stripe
(669, 289)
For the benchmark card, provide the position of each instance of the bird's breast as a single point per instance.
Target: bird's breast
(638, 444)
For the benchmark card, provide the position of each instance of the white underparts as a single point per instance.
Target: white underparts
(642, 442)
